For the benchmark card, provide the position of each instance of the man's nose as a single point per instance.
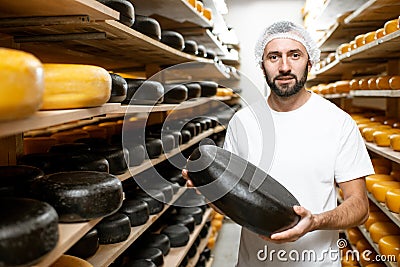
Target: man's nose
(284, 65)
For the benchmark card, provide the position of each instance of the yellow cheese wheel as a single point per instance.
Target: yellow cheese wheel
(380, 229)
(348, 260)
(344, 48)
(391, 26)
(372, 83)
(353, 45)
(367, 256)
(368, 133)
(217, 224)
(362, 126)
(192, 3)
(211, 242)
(359, 40)
(370, 180)
(363, 244)
(95, 131)
(38, 144)
(354, 235)
(207, 13)
(354, 84)
(382, 138)
(375, 264)
(392, 200)
(379, 33)
(389, 121)
(375, 216)
(382, 82)
(395, 142)
(70, 136)
(342, 86)
(70, 261)
(363, 84)
(224, 92)
(75, 86)
(394, 82)
(379, 189)
(390, 245)
(21, 84)
(378, 118)
(199, 7)
(369, 37)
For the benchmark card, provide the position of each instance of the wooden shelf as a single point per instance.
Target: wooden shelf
(374, 11)
(106, 254)
(33, 8)
(176, 255)
(177, 10)
(376, 93)
(69, 233)
(334, 96)
(203, 243)
(206, 38)
(151, 162)
(395, 217)
(386, 152)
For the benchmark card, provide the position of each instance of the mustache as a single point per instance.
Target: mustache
(285, 75)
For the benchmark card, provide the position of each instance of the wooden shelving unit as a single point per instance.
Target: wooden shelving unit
(192, 261)
(176, 255)
(374, 10)
(395, 217)
(376, 93)
(106, 254)
(384, 151)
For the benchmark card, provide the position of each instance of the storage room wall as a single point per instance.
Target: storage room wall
(249, 18)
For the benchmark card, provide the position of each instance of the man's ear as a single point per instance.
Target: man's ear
(309, 66)
(263, 68)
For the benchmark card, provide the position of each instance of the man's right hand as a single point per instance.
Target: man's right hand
(186, 177)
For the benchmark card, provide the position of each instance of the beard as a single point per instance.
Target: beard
(287, 90)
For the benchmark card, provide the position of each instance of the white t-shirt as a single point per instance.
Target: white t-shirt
(316, 145)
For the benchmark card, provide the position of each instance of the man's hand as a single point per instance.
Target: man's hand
(306, 224)
(186, 177)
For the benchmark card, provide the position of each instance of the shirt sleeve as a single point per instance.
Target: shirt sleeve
(352, 160)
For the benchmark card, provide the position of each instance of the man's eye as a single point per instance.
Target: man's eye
(273, 57)
(296, 55)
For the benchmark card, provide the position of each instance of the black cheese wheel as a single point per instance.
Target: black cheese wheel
(207, 253)
(114, 228)
(173, 39)
(159, 241)
(153, 254)
(93, 141)
(136, 210)
(175, 187)
(184, 261)
(199, 127)
(194, 90)
(191, 127)
(148, 26)
(119, 87)
(208, 88)
(177, 179)
(139, 263)
(270, 204)
(143, 92)
(177, 137)
(203, 124)
(155, 185)
(183, 219)
(186, 136)
(28, 231)
(201, 262)
(86, 246)
(153, 147)
(175, 93)
(15, 180)
(168, 142)
(211, 54)
(81, 195)
(204, 231)
(201, 51)
(117, 157)
(192, 251)
(178, 235)
(125, 9)
(191, 47)
(155, 201)
(136, 154)
(195, 212)
(70, 148)
(197, 241)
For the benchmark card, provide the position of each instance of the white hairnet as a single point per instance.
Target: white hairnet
(288, 30)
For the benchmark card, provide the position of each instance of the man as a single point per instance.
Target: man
(317, 145)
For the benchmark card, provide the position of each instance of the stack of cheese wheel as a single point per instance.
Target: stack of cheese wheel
(216, 224)
(380, 229)
(379, 189)
(370, 180)
(382, 137)
(368, 132)
(75, 86)
(21, 84)
(375, 216)
(390, 246)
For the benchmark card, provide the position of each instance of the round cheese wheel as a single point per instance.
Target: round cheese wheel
(40, 144)
(199, 7)
(368, 132)
(369, 37)
(195, 212)
(383, 82)
(175, 93)
(21, 83)
(125, 9)
(391, 26)
(354, 235)
(191, 127)
(363, 84)
(153, 240)
(201, 51)
(147, 26)
(379, 33)
(192, 251)
(380, 119)
(375, 216)
(117, 157)
(118, 88)
(207, 13)
(370, 180)
(382, 138)
(192, 3)
(136, 210)
(190, 47)
(136, 155)
(95, 131)
(194, 90)
(380, 229)
(75, 86)
(372, 83)
(80, 196)
(359, 40)
(15, 180)
(186, 136)
(173, 39)
(208, 88)
(153, 254)
(183, 219)
(363, 244)
(395, 142)
(153, 147)
(178, 235)
(86, 246)
(211, 55)
(155, 200)
(392, 200)
(70, 261)
(390, 245)
(114, 228)
(28, 231)
(343, 48)
(379, 189)
(142, 92)
(394, 82)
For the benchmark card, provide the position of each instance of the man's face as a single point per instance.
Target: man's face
(285, 63)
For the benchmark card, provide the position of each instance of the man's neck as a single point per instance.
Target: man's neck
(285, 104)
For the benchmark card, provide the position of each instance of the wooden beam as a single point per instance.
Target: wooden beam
(11, 149)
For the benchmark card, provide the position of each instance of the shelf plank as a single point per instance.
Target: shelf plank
(203, 243)
(335, 96)
(395, 217)
(151, 162)
(176, 255)
(94, 9)
(376, 93)
(42, 119)
(375, 10)
(70, 233)
(384, 151)
(106, 254)
(177, 10)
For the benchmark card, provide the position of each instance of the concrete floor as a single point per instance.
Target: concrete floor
(227, 245)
